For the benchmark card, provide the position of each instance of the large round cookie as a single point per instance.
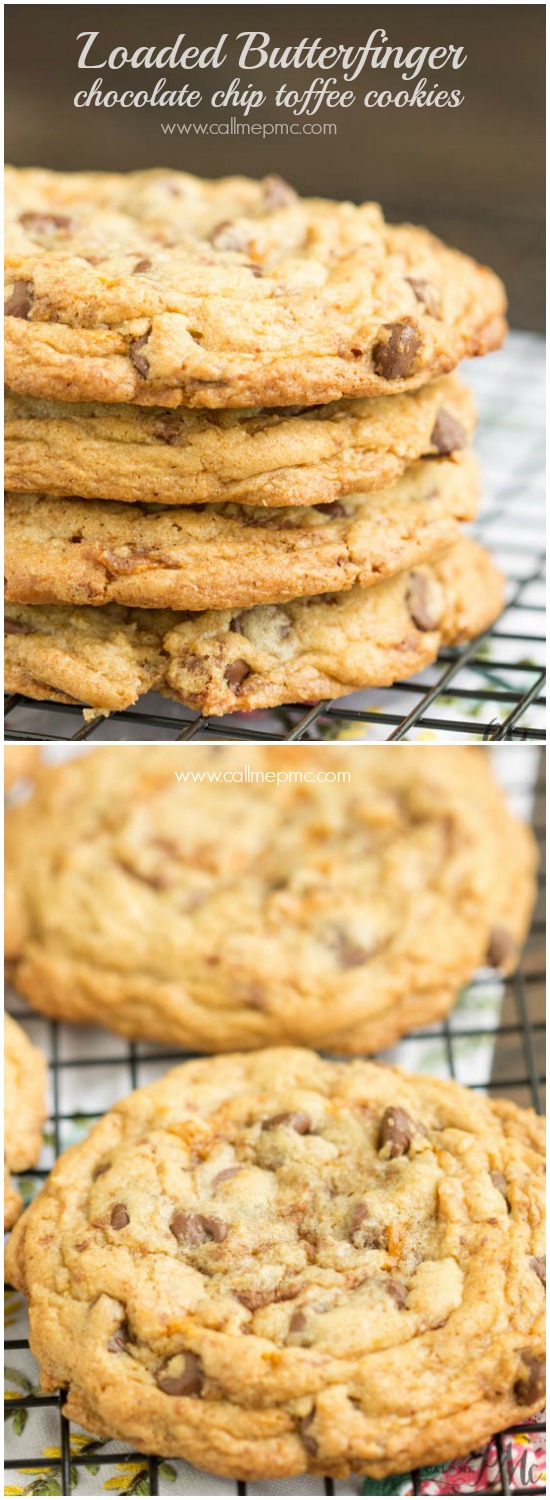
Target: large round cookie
(224, 661)
(98, 552)
(217, 915)
(291, 456)
(24, 1110)
(268, 1264)
(159, 288)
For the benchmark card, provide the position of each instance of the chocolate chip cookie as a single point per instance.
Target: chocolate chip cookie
(291, 456)
(24, 1110)
(268, 1264)
(215, 916)
(215, 556)
(223, 661)
(159, 288)
(20, 762)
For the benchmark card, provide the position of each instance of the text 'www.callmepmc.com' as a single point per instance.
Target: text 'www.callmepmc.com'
(248, 776)
(247, 127)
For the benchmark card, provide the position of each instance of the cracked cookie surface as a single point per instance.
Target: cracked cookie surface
(216, 917)
(96, 552)
(159, 288)
(289, 456)
(24, 1110)
(270, 1264)
(224, 661)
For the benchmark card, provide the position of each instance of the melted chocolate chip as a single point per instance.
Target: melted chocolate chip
(140, 363)
(397, 1291)
(530, 1385)
(426, 293)
(424, 602)
(142, 265)
(396, 1130)
(255, 1299)
(226, 1175)
(119, 1340)
(197, 1229)
(119, 1218)
(295, 1120)
(538, 1265)
(309, 1442)
(46, 223)
(168, 429)
(228, 236)
(277, 192)
(16, 627)
(188, 1382)
(499, 1181)
(447, 434)
(298, 1322)
(394, 357)
(236, 673)
(21, 301)
(362, 1233)
(333, 508)
(501, 947)
(349, 954)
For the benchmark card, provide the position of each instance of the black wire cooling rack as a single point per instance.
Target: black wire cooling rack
(515, 1053)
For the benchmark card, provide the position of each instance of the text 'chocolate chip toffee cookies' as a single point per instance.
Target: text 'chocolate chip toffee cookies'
(269, 1264)
(224, 397)
(214, 916)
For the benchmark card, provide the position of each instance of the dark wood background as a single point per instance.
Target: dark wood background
(473, 174)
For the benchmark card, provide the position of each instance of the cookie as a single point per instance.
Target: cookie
(20, 762)
(269, 1264)
(214, 917)
(222, 662)
(97, 552)
(24, 1110)
(159, 288)
(310, 456)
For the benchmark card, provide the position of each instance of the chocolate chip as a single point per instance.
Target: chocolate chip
(295, 1120)
(499, 1181)
(228, 236)
(362, 1233)
(197, 1229)
(538, 1265)
(140, 363)
(119, 1218)
(310, 1445)
(424, 602)
(142, 265)
(501, 947)
(298, 1322)
(332, 508)
(236, 624)
(236, 673)
(255, 1299)
(349, 954)
(168, 429)
(447, 434)
(119, 1340)
(99, 1171)
(277, 192)
(530, 1385)
(21, 300)
(426, 293)
(16, 627)
(393, 358)
(397, 1291)
(190, 1380)
(226, 1175)
(396, 1130)
(46, 223)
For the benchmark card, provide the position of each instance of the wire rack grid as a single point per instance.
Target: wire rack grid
(491, 689)
(504, 1055)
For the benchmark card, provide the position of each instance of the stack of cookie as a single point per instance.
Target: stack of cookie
(237, 462)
